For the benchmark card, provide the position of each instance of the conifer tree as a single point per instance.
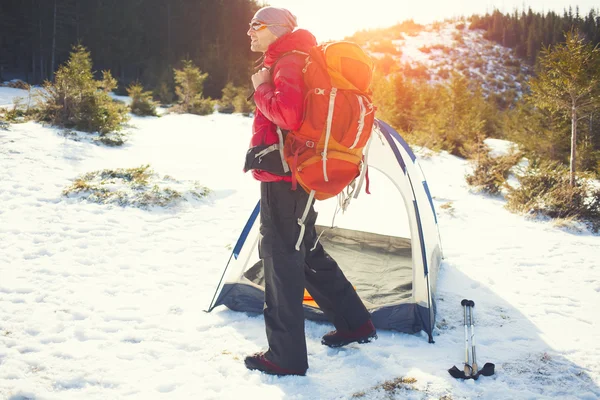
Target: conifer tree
(190, 84)
(189, 87)
(76, 100)
(569, 81)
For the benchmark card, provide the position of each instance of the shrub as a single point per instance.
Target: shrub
(189, 86)
(490, 173)
(163, 93)
(18, 113)
(17, 84)
(141, 102)
(203, 107)
(385, 46)
(448, 117)
(242, 105)
(459, 38)
(418, 71)
(588, 158)
(479, 63)
(438, 46)
(545, 190)
(386, 64)
(74, 101)
(234, 99)
(138, 187)
(22, 110)
(444, 73)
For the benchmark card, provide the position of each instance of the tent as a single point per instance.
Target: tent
(394, 272)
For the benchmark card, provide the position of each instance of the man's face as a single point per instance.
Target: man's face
(260, 37)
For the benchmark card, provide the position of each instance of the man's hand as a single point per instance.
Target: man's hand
(262, 76)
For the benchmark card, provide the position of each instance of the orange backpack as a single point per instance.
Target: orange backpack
(326, 153)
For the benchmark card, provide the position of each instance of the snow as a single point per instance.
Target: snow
(500, 147)
(102, 301)
(8, 94)
(447, 47)
(412, 44)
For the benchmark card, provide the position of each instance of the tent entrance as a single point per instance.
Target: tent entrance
(362, 256)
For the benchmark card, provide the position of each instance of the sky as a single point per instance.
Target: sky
(335, 19)
(100, 301)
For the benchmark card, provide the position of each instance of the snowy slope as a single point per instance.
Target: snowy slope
(442, 48)
(105, 302)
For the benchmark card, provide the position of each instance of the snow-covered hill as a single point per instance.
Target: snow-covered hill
(450, 46)
(105, 302)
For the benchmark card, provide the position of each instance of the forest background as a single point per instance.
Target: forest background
(148, 41)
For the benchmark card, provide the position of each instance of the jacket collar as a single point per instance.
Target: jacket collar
(300, 39)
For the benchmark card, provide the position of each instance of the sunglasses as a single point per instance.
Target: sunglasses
(259, 26)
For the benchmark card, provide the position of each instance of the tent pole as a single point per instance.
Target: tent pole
(211, 306)
(431, 319)
(237, 249)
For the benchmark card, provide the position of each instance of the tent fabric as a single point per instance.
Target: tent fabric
(394, 276)
(362, 255)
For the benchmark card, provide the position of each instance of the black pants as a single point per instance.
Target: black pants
(288, 272)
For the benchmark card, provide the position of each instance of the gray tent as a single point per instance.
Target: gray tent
(395, 276)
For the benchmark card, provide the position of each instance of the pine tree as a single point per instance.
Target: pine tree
(569, 81)
(190, 84)
(74, 100)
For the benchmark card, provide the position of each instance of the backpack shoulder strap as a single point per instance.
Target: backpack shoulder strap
(272, 67)
(289, 53)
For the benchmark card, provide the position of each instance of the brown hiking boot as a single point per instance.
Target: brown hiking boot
(364, 334)
(259, 362)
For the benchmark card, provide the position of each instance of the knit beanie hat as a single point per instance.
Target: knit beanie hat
(282, 20)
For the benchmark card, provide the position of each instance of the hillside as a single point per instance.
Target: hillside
(435, 50)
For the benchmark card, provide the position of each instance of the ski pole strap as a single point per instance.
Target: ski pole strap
(311, 196)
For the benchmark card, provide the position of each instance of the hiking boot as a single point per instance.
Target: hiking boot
(364, 334)
(259, 361)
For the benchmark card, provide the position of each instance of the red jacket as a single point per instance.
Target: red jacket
(280, 102)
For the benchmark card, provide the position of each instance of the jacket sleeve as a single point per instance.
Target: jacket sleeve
(282, 101)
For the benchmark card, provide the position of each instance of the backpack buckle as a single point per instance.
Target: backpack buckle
(310, 144)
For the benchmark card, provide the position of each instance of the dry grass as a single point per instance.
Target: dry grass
(138, 187)
(391, 386)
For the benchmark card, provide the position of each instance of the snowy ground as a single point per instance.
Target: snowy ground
(104, 302)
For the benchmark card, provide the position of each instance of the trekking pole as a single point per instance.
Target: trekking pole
(471, 371)
(466, 372)
(488, 368)
(467, 367)
(471, 305)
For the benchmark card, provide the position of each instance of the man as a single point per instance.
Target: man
(279, 97)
